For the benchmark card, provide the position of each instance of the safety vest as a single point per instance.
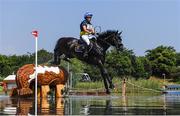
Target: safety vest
(88, 25)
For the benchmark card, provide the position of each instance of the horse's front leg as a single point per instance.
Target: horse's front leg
(111, 85)
(104, 75)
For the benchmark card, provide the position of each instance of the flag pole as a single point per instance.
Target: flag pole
(35, 34)
(36, 63)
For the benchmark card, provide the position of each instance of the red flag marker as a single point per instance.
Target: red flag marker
(35, 33)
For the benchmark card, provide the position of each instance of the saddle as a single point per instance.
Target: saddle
(79, 46)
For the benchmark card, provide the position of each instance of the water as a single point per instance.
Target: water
(94, 105)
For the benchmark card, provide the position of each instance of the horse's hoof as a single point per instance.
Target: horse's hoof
(112, 86)
(108, 92)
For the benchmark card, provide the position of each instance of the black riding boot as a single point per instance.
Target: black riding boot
(85, 54)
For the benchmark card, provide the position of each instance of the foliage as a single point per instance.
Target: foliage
(162, 59)
(93, 72)
(178, 59)
(4, 65)
(138, 69)
(126, 63)
(144, 67)
(44, 56)
(1, 78)
(76, 66)
(119, 63)
(10, 64)
(1, 88)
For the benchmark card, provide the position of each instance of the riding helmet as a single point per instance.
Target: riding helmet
(88, 14)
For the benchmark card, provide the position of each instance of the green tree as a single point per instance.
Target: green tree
(147, 66)
(93, 72)
(119, 63)
(44, 56)
(178, 59)
(141, 68)
(10, 64)
(162, 59)
(138, 69)
(77, 66)
(4, 66)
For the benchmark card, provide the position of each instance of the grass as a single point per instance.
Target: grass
(89, 85)
(151, 85)
(1, 88)
(143, 85)
(178, 82)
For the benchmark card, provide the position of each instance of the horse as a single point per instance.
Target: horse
(68, 47)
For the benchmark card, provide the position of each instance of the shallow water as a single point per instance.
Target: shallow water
(94, 105)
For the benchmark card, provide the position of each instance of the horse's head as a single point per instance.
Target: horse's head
(112, 38)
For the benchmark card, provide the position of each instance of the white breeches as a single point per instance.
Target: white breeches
(86, 38)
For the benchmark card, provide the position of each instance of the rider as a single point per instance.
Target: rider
(87, 31)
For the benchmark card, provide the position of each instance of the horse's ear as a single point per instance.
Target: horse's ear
(117, 32)
(120, 33)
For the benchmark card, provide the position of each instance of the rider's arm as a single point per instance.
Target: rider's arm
(86, 30)
(93, 31)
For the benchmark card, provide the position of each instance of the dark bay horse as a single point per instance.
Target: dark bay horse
(66, 48)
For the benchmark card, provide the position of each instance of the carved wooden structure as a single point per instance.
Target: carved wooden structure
(25, 85)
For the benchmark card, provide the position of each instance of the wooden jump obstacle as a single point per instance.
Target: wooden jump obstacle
(45, 89)
(46, 78)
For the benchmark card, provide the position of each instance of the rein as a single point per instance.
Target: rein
(103, 40)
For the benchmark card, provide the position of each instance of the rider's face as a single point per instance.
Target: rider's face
(88, 18)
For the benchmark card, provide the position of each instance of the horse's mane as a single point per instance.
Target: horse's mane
(106, 33)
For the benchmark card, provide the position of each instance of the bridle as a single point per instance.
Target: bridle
(112, 35)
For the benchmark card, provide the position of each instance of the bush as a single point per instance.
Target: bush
(163, 59)
(1, 78)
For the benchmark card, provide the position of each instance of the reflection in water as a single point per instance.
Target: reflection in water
(164, 104)
(24, 106)
(51, 106)
(108, 108)
(93, 105)
(16, 106)
(124, 104)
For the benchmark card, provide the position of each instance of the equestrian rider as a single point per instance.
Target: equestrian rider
(87, 31)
